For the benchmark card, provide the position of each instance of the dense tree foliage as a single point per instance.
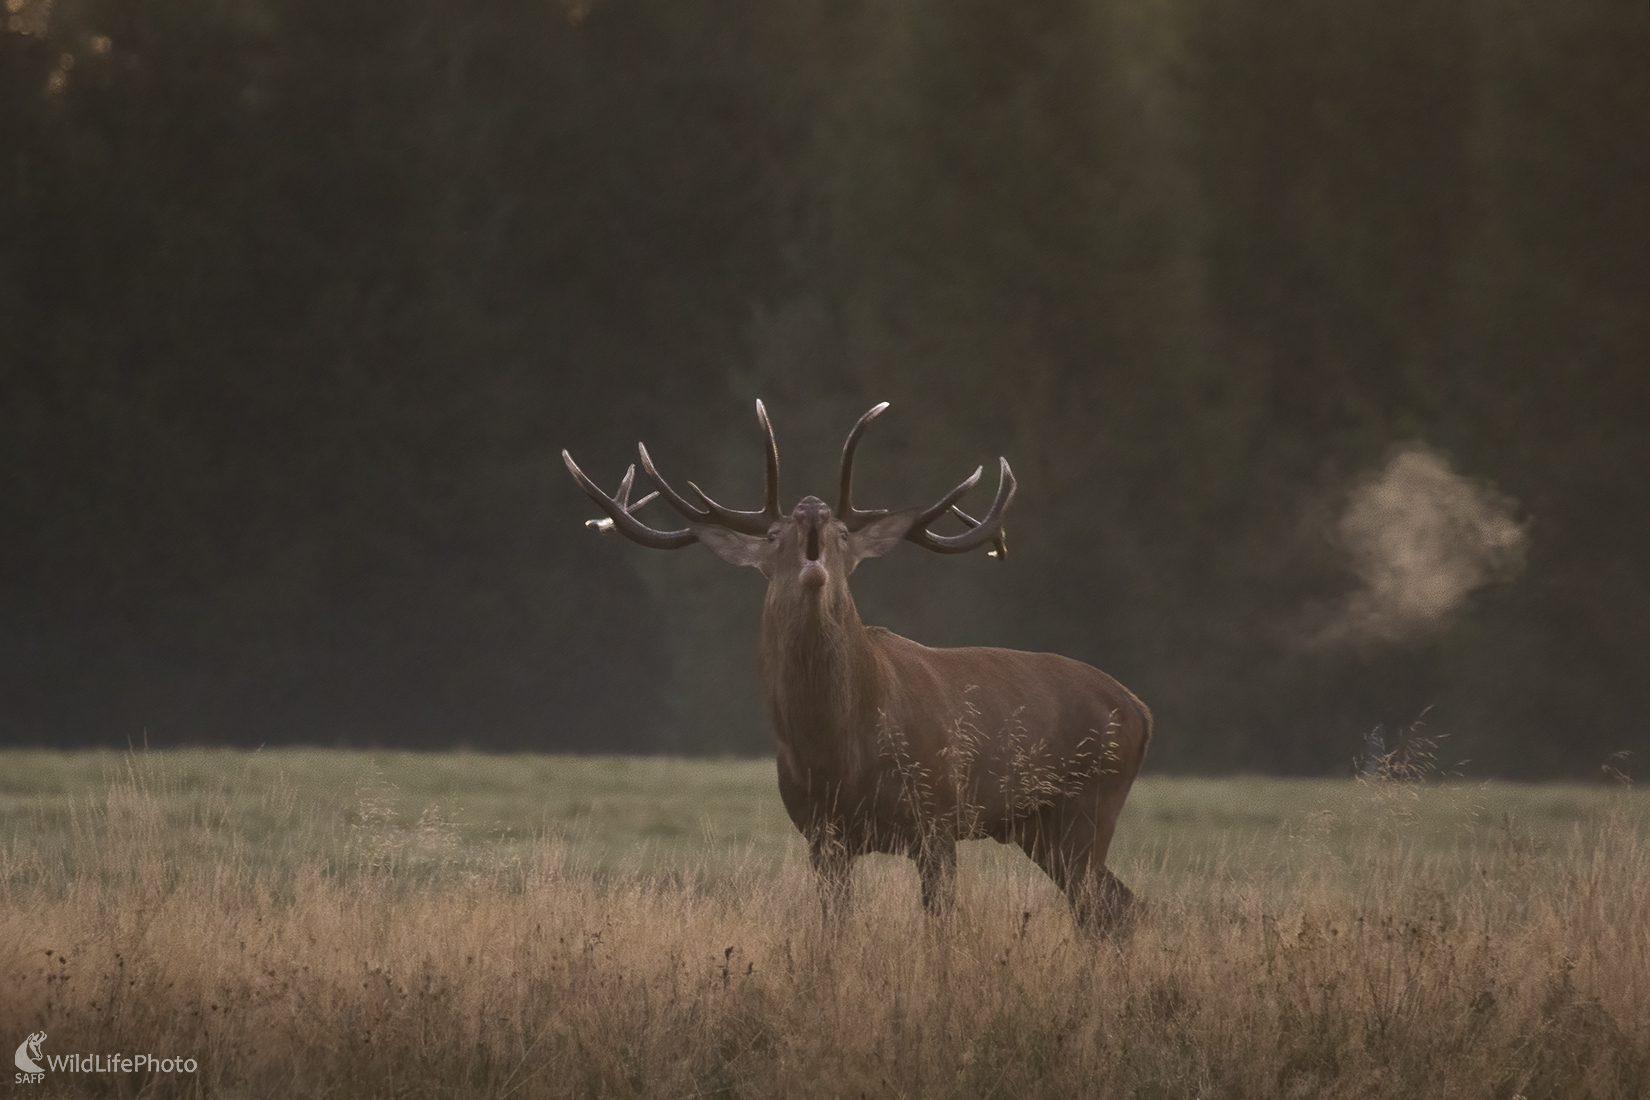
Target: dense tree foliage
(299, 300)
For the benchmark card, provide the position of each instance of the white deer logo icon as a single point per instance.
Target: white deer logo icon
(28, 1050)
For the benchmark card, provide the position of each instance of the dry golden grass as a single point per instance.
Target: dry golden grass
(1366, 951)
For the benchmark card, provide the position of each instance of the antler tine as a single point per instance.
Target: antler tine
(623, 498)
(846, 511)
(1000, 543)
(619, 508)
(675, 499)
(750, 523)
(986, 530)
(935, 511)
(770, 505)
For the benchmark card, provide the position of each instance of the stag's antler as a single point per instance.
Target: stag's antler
(989, 529)
(708, 513)
(980, 532)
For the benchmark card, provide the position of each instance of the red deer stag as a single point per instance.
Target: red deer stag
(890, 746)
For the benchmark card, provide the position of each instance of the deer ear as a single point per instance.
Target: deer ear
(881, 535)
(735, 547)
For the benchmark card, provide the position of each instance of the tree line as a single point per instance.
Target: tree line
(300, 300)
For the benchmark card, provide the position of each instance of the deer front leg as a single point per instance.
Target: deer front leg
(833, 867)
(937, 865)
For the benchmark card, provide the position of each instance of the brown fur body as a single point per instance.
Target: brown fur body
(886, 745)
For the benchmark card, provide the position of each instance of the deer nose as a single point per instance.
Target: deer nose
(812, 514)
(811, 511)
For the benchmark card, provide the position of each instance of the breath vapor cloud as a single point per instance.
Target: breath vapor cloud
(1421, 538)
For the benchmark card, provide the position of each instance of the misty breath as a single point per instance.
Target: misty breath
(1421, 538)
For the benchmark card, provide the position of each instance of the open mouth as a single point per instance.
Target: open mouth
(813, 570)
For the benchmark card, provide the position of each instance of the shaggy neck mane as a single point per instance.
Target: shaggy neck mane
(820, 677)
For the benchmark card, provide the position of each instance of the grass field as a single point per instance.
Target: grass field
(350, 924)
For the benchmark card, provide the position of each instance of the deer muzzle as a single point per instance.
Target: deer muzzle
(812, 514)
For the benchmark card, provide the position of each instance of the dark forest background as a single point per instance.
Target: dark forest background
(300, 299)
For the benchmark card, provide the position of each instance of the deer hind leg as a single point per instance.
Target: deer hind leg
(1073, 854)
(937, 866)
(1107, 906)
